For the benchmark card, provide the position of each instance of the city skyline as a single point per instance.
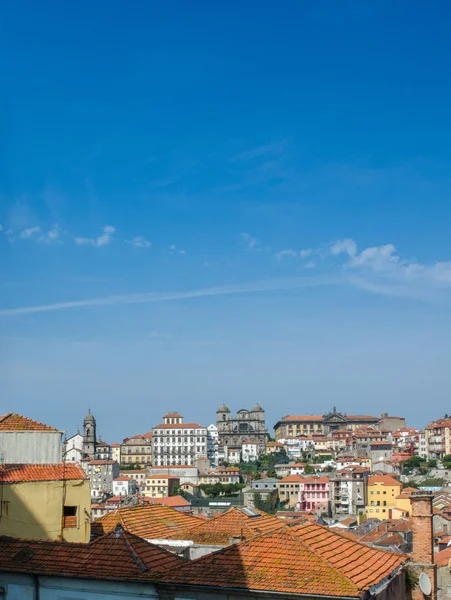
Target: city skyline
(205, 204)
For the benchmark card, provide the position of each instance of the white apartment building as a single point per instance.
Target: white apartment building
(124, 486)
(213, 445)
(250, 451)
(438, 438)
(177, 443)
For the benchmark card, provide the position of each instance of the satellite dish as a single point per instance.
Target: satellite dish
(425, 584)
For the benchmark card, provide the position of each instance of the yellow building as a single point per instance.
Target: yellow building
(403, 506)
(160, 486)
(48, 502)
(382, 493)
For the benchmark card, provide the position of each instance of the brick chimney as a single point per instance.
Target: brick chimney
(423, 541)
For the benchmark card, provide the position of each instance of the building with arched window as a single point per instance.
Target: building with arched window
(247, 425)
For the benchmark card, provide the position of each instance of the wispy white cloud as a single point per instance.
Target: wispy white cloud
(261, 151)
(249, 240)
(384, 264)
(52, 236)
(29, 232)
(244, 288)
(294, 253)
(139, 242)
(173, 248)
(101, 240)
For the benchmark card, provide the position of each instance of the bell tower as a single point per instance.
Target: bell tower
(89, 435)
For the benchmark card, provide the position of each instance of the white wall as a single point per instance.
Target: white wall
(22, 587)
(35, 447)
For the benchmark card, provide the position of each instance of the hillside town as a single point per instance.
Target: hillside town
(185, 507)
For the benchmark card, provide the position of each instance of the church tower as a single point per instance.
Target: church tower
(89, 435)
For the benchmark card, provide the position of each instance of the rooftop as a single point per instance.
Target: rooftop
(179, 426)
(118, 555)
(384, 480)
(149, 521)
(239, 523)
(305, 559)
(168, 501)
(27, 473)
(14, 422)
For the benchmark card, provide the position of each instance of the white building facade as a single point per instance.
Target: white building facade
(73, 448)
(213, 445)
(178, 443)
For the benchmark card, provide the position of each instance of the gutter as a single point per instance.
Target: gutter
(261, 592)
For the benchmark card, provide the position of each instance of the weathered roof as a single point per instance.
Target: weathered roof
(384, 479)
(15, 422)
(118, 555)
(234, 523)
(149, 521)
(27, 473)
(307, 559)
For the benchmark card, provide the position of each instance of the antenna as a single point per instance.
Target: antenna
(425, 584)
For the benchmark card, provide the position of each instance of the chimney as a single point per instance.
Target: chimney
(423, 541)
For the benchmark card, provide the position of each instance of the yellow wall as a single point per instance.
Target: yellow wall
(35, 509)
(381, 493)
(404, 504)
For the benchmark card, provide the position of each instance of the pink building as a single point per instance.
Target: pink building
(314, 493)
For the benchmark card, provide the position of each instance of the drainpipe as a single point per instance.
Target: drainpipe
(37, 588)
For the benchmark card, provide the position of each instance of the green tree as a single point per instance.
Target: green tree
(308, 469)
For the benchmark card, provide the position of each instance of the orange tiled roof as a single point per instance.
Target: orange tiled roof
(14, 422)
(233, 523)
(443, 557)
(25, 472)
(119, 555)
(168, 501)
(307, 559)
(384, 479)
(149, 521)
(172, 414)
(292, 479)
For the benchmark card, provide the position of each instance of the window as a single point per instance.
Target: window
(69, 517)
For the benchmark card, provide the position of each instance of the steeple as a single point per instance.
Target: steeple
(89, 434)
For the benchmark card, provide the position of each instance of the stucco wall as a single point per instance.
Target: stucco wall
(22, 587)
(444, 583)
(35, 509)
(36, 447)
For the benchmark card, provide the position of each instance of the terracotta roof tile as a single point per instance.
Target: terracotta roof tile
(234, 523)
(384, 479)
(149, 521)
(168, 501)
(442, 558)
(25, 472)
(292, 479)
(119, 555)
(307, 559)
(14, 422)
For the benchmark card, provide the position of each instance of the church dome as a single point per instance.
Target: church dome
(257, 408)
(223, 408)
(89, 417)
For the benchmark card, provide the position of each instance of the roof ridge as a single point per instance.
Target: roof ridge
(287, 531)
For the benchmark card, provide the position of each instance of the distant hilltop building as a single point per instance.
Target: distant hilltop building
(247, 425)
(332, 421)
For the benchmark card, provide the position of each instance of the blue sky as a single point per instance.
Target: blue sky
(240, 202)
